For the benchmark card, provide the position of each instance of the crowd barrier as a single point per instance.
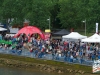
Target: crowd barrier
(46, 56)
(5, 42)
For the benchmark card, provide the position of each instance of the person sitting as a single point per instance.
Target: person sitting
(71, 58)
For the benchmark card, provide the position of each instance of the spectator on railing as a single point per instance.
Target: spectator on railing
(0, 37)
(71, 58)
(98, 56)
(93, 56)
(81, 59)
(53, 54)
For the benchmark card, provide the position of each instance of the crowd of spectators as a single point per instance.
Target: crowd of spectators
(67, 50)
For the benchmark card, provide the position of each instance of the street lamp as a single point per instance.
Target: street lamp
(49, 22)
(85, 25)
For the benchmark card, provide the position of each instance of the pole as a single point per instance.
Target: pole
(97, 28)
(85, 26)
(49, 22)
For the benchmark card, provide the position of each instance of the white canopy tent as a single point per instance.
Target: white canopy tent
(13, 30)
(73, 35)
(10, 35)
(92, 39)
(2, 29)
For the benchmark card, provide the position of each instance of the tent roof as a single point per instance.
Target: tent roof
(29, 30)
(74, 35)
(94, 38)
(62, 32)
(2, 29)
(13, 30)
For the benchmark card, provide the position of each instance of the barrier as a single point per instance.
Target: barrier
(5, 42)
(49, 56)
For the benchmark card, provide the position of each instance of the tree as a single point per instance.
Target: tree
(69, 13)
(73, 12)
(37, 12)
(12, 9)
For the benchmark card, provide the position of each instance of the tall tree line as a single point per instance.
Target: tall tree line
(63, 13)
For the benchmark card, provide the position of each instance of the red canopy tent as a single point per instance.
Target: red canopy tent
(29, 30)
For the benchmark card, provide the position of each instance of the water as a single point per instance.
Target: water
(14, 71)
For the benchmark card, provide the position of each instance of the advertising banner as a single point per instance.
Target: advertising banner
(96, 66)
(47, 34)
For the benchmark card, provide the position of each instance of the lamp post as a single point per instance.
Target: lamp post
(97, 28)
(49, 22)
(85, 25)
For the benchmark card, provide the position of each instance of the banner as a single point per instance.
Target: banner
(96, 66)
(47, 36)
(96, 27)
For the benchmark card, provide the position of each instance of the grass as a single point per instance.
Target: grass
(65, 66)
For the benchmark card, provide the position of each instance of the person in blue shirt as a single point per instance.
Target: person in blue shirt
(98, 56)
(81, 59)
(0, 37)
(93, 56)
(81, 53)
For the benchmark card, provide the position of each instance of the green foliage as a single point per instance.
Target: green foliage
(63, 13)
(69, 13)
(37, 12)
(73, 12)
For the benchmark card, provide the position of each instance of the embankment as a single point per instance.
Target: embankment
(44, 65)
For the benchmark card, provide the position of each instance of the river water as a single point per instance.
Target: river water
(14, 71)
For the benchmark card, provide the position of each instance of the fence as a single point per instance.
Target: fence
(46, 56)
